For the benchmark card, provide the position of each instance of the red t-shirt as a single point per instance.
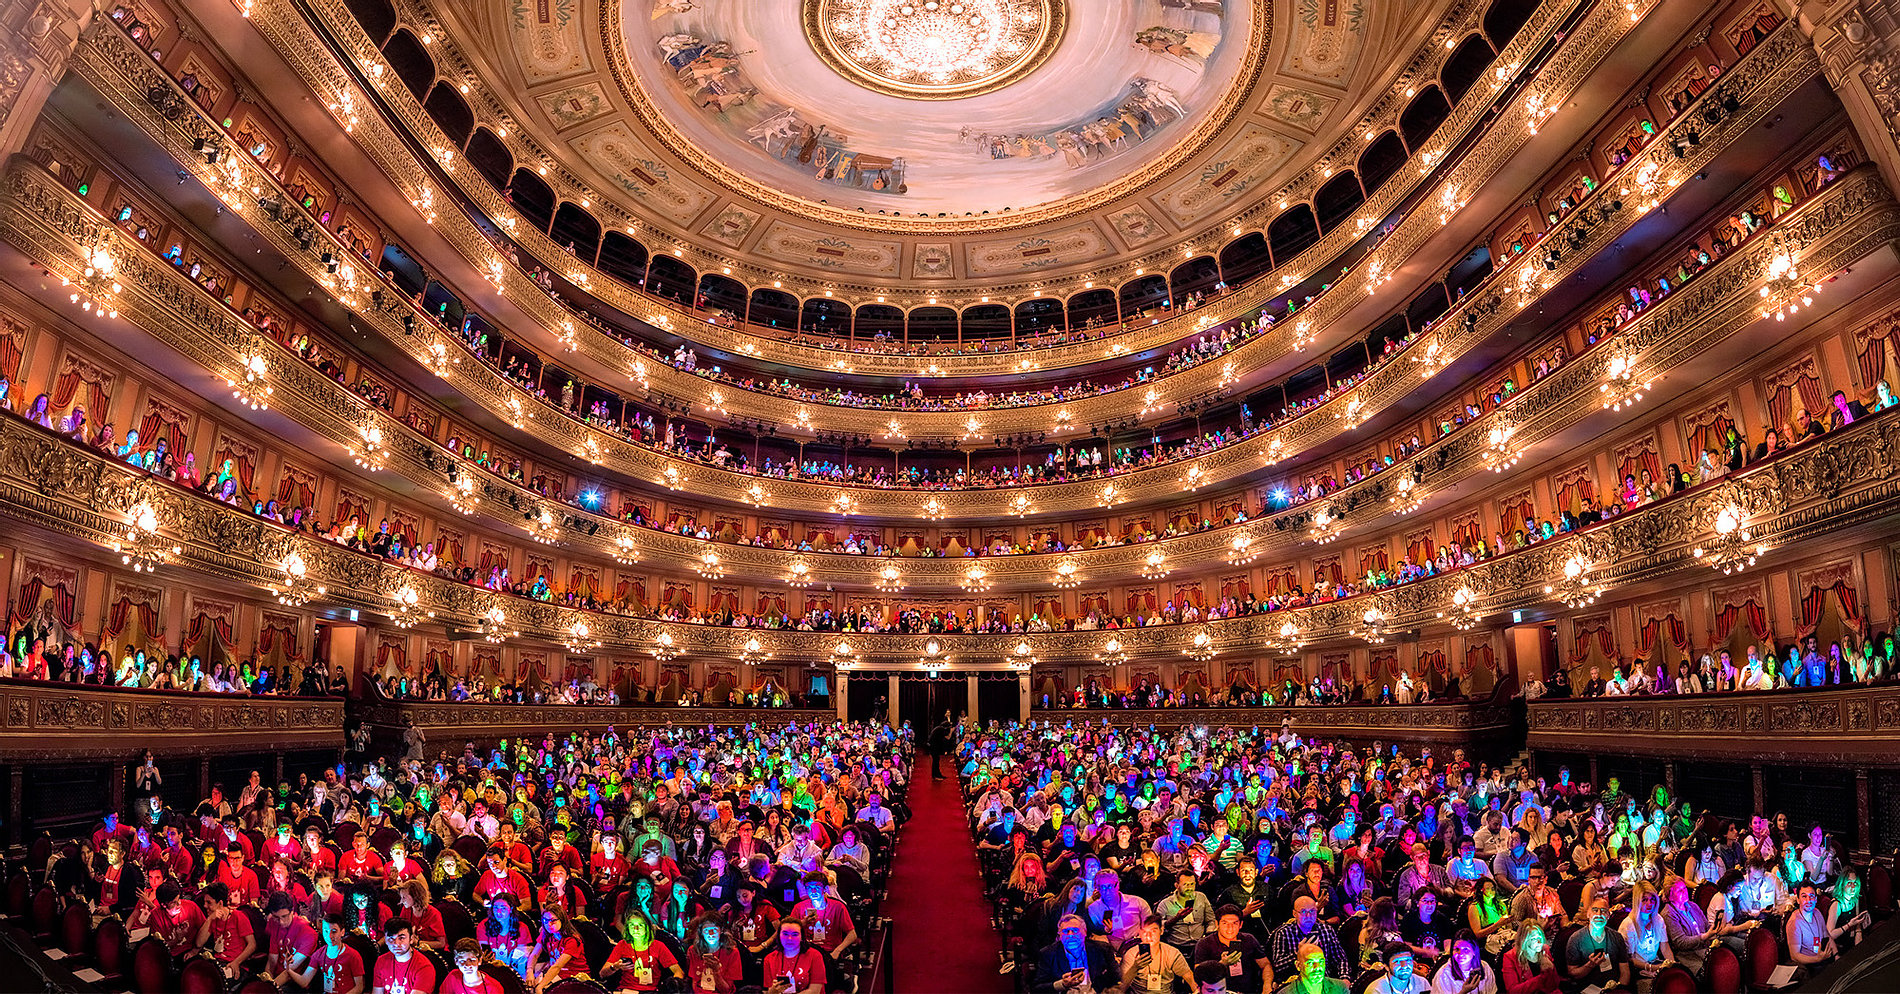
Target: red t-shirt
(828, 927)
(286, 943)
(228, 935)
(803, 970)
(608, 873)
(643, 968)
(242, 881)
(705, 980)
(576, 955)
(414, 977)
(357, 865)
(179, 930)
(485, 985)
(410, 870)
(336, 974)
(756, 926)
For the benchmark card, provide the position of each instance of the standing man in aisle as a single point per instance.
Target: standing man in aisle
(939, 744)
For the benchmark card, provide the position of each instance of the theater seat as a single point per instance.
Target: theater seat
(19, 894)
(1674, 980)
(151, 967)
(1764, 953)
(1879, 889)
(200, 976)
(457, 923)
(1722, 973)
(75, 930)
(44, 920)
(575, 985)
(110, 954)
(510, 983)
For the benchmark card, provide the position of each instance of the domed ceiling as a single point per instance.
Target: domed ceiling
(899, 142)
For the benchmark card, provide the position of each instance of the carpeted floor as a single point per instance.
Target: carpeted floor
(944, 942)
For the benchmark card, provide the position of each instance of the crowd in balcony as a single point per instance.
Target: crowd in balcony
(45, 650)
(726, 856)
(1403, 688)
(1129, 858)
(1801, 665)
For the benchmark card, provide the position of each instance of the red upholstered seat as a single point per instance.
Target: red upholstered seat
(1722, 974)
(1763, 954)
(151, 967)
(1879, 889)
(44, 917)
(75, 929)
(200, 976)
(1674, 980)
(110, 954)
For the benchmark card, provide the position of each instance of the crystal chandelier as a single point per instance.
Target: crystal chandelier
(1353, 413)
(1022, 659)
(591, 450)
(579, 636)
(295, 589)
(1574, 587)
(515, 411)
(543, 526)
(1192, 479)
(1732, 548)
(438, 358)
(368, 451)
(96, 282)
(249, 387)
(1113, 652)
(975, 578)
(932, 509)
(671, 478)
(663, 646)
(1407, 496)
(1110, 495)
(1326, 526)
(934, 48)
(1621, 387)
(493, 626)
(894, 429)
(1287, 639)
(464, 495)
(756, 495)
(972, 428)
(753, 651)
(844, 504)
(408, 610)
(1783, 291)
(625, 550)
(890, 579)
(1019, 505)
(708, 565)
(1067, 575)
(843, 656)
(1154, 565)
(1372, 626)
(1463, 612)
(1499, 455)
(1273, 451)
(933, 656)
(142, 548)
(1201, 647)
(1431, 359)
(1240, 550)
(798, 573)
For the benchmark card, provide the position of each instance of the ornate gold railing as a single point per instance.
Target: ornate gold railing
(1853, 726)
(46, 721)
(1461, 722)
(447, 724)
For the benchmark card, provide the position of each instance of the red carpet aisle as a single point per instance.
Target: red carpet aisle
(944, 943)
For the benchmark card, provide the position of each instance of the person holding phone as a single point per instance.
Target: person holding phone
(1075, 963)
(639, 958)
(793, 966)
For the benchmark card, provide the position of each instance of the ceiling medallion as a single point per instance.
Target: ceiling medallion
(934, 49)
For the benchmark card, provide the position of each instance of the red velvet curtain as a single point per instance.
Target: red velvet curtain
(1668, 626)
(155, 426)
(120, 614)
(1816, 600)
(1634, 465)
(1467, 534)
(1372, 560)
(1511, 516)
(1750, 613)
(771, 605)
(293, 492)
(1782, 404)
(1709, 436)
(584, 582)
(11, 352)
(205, 628)
(240, 465)
(392, 653)
(65, 606)
(1872, 358)
(1421, 550)
(67, 387)
(1478, 657)
(1574, 493)
(277, 634)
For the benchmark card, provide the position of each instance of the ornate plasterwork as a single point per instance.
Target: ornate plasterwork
(934, 49)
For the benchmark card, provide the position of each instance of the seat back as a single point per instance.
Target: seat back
(457, 923)
(1879, 889)
(19, 893)
(1763, 955)
(575, 985)
(471, 848)
(595, 943)
(151, 967)
(1704, 893)
(110, 954)
(200, 976)
(509, 981)
(45, 913)
(1673, 980)
(75, 929)
(1722, 973)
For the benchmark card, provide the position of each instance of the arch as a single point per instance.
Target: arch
(1245, 258)
(1292, 231)
(1505, 18)
(449, 112)
(1040, 315)
(490, 157)
(1143, 292)
(720, 292)
(623, 258)
(412, 63)
(986, 321)
(575, 229)
(1381, 161)
(931, 323)
(376, 17)
(772, 308)
(1422, 116)
(1092, 308)
(1335, 202)
(1466, 66)
(1199, 274)
(824, 316)
(533, 198)
(670, 278)
(870, 320)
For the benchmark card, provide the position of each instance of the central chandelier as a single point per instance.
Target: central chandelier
(1463, 612)
(1431, 360)
(1287, 639)
(890, 579)
(1574, 587)
(1498, 453)
(672, 478)
(1406, 496)
(1732, 548)
(1022, 659)
(1019, 505)
(249, 387)
(579, 637)
(798, 573)
(708, 565)
(1372, 626)
(757, 495)
(932, 509)
(844, 504)
(976, 578)
(664, 647)
(1621, 388)
(625, 550)
(1109, 496)
(493, 626)
(1154, 565)
(933, 656)
(1113, 652)
(1273, 451)
(96, 282)
(295, 589)
(142, 548)
(369, 451)
(933, 49)
(1201, 647)
(753, 651)
(1067, 575)
(1240, 550)
(464, 495)
(843, 656)
(543, 526)
(1783, 291)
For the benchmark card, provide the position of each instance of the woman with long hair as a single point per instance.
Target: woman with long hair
(557, 954)
(504, 934)
(713, 965)
(1528, 968)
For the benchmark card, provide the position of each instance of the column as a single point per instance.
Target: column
(35, 42)
(1758, 780)
(1863, 812)
(1022, 697)
(890, 705)
(841, 680)
(969, 680)
(1859, 45)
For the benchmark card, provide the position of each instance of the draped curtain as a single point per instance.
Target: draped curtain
(1875, 358)
(67, 387)
(1636, 462)
(392, 657)
(771, 605)
(11, 352)
(1710, 435)
(293, 492)
(240, 466)
(1751, 614)
(65, 605)
(1420, 550)
(156, 425)
(1574, 493)
(1669, 627)
(207, 635)
(1782, 403)
(123, 614)
(1815, 603)
(1372, 560)
(584, 582)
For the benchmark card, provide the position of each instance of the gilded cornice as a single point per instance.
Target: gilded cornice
(1771, 71)
(50, 223)
(1843, 479)
(46, 721)
(1597, 34)
(1852, 726)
